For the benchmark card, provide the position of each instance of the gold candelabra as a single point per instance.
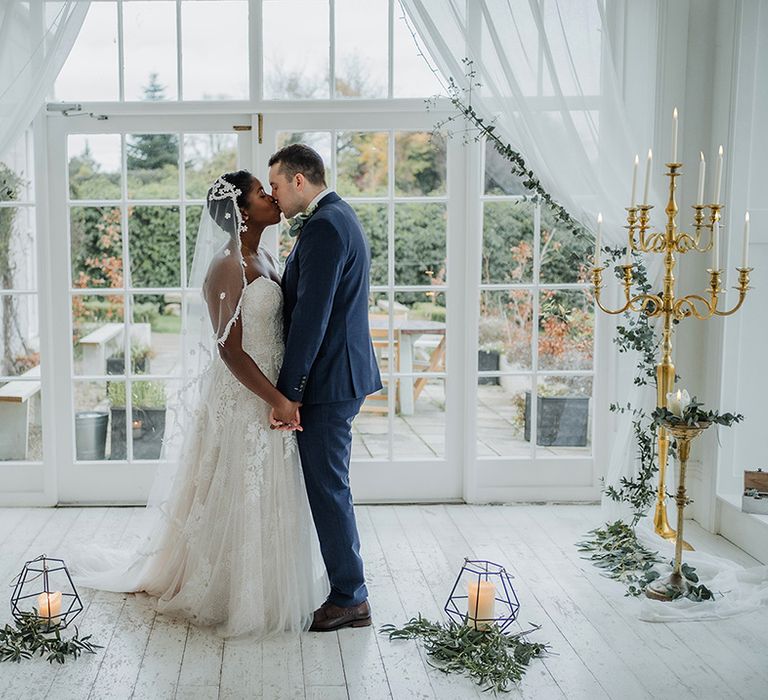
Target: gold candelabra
(667, 304)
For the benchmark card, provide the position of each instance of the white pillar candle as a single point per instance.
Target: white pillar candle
(49, 604)
(678, 401)
(481, 604)
(718, 175)
(702, 171)
(715, 246)
(647, 176)
(674, 135)
(745, 248)
(598, 236)
(634, 180)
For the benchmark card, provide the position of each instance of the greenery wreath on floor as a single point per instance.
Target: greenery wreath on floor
(492, 659)
(27, 638)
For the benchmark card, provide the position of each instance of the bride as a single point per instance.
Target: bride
(227, 539)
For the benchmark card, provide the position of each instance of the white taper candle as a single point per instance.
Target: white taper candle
(718, 175)
(634, 180)
(674, 135)
(597, 238)
(647, 176)
(745, 248)
(702, 171)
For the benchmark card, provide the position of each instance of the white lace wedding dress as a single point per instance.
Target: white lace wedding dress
(239, 550)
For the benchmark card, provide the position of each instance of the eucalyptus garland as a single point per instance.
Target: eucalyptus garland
(28, 638)
(494, 660)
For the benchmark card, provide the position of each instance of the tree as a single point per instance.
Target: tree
(153, 151)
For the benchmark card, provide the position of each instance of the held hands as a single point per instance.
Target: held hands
(285, 416)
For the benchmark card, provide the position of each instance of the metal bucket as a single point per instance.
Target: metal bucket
(91, 434)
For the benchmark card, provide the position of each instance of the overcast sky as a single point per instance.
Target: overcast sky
(214, 43)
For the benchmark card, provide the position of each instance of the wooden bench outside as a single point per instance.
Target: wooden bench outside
(98, 345)
(16, 397)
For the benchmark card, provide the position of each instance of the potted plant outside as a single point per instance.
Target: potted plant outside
(147, 419)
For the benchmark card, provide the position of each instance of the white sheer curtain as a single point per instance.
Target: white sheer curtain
(36, 37)
(548, 81)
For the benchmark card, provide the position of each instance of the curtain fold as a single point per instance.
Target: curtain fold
(35, 40)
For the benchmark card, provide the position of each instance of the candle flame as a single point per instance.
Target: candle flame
(674, 113)
(746, 218)
(679, 395)
(600, 218)
(650, 153)
(701, 156)
(720, 151)
(637, 159)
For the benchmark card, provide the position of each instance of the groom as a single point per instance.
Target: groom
(329, 365)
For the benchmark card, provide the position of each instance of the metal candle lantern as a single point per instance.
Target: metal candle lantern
(483, 596)
(45, 584)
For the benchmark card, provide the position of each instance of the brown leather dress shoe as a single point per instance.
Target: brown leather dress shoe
(331, 617)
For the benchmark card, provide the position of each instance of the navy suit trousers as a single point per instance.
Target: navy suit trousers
(325, 446)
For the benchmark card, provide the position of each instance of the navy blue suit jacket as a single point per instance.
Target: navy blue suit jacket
(328, 351)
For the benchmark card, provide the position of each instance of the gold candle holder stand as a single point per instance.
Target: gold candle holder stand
(675, 585)
(669, 306)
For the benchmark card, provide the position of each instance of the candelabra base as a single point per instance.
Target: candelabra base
(669, 588)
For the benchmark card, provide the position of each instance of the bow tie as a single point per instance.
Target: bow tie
(296, 223)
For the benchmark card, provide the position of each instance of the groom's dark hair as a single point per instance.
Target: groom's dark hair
(300, 158)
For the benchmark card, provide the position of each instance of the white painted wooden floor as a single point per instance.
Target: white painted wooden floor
(412, 555)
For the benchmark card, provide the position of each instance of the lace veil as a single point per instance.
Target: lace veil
(212, 304)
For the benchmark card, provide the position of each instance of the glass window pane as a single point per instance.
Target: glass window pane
(149, 35)
(420, 162)
(97, 247)
(370, 429)
(361, 48)
(17, 170)
(193, 213)
(507, 242)
(153, 236)
(563, 256)
(93, 418)
(214, 45)
(155, 333)
(373, 218)
(206, 156)
(97, 335)
(420, 244)
(501, 417)
(148, 422)
(95, 166)
(422, 433)
(378, 319)
(21, 432)
(362, 163)
(566, 329)
(564, 409)
(153, 166)
(413, 76)
(302, 74)
(504, 332)
(499, 179)
(19, 334)
(18, 244)
(91, 69)
(420, 331)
